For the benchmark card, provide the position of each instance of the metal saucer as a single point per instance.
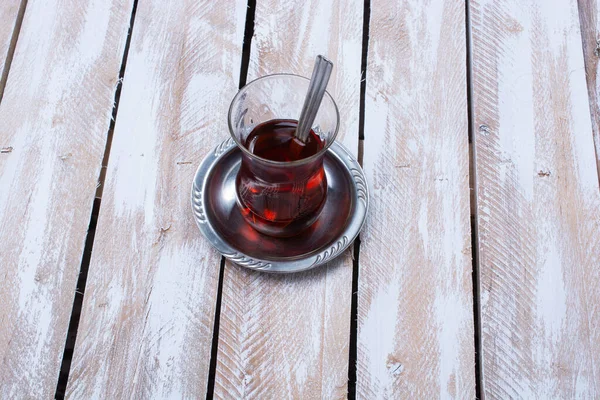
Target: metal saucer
(219, 219)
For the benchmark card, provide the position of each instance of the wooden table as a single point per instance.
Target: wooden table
(477, 272)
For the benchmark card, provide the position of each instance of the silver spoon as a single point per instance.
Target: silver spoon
(314, 96)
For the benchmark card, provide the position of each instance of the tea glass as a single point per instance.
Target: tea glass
(280, 198)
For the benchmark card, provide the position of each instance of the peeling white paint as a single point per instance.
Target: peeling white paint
(451, 319)
(551, 295)
(379, 330)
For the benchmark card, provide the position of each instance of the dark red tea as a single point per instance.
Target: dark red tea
(274, 140)
(282, 198)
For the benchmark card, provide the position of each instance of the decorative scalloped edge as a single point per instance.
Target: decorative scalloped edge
(358, 175)
(198, 207)
(332, 252)
(245, 261)
(348, 154)
(223, 146)
(361, 185)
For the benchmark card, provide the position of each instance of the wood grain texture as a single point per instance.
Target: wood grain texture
(9, 13)
(55, 115)
(148, 313)
(538, 202)
(589, 16)
(287, 336)
(415, 311)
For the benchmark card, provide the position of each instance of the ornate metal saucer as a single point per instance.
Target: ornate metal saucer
(219, 219)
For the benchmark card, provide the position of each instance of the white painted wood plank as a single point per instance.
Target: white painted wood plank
(415, 310)
(589, 16)
(288, 336)
(55, 115)
(538, 202)
(9, 10)
(148, 313)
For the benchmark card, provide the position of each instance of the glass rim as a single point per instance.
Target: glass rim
(306, 160)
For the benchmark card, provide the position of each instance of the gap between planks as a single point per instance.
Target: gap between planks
(352, 367)
(363, 68)
(212, 369)
(473, 201)
(12, 46)
(354, 321)
(245, 62)
(63, 379)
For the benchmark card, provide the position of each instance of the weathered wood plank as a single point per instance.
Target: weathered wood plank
(589, 16)
(148, 313)
(55, 115)
(415, 310)
(9, 13)
(538, 203)
(288, 336)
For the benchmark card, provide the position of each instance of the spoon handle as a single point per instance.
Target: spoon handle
(314, 96)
